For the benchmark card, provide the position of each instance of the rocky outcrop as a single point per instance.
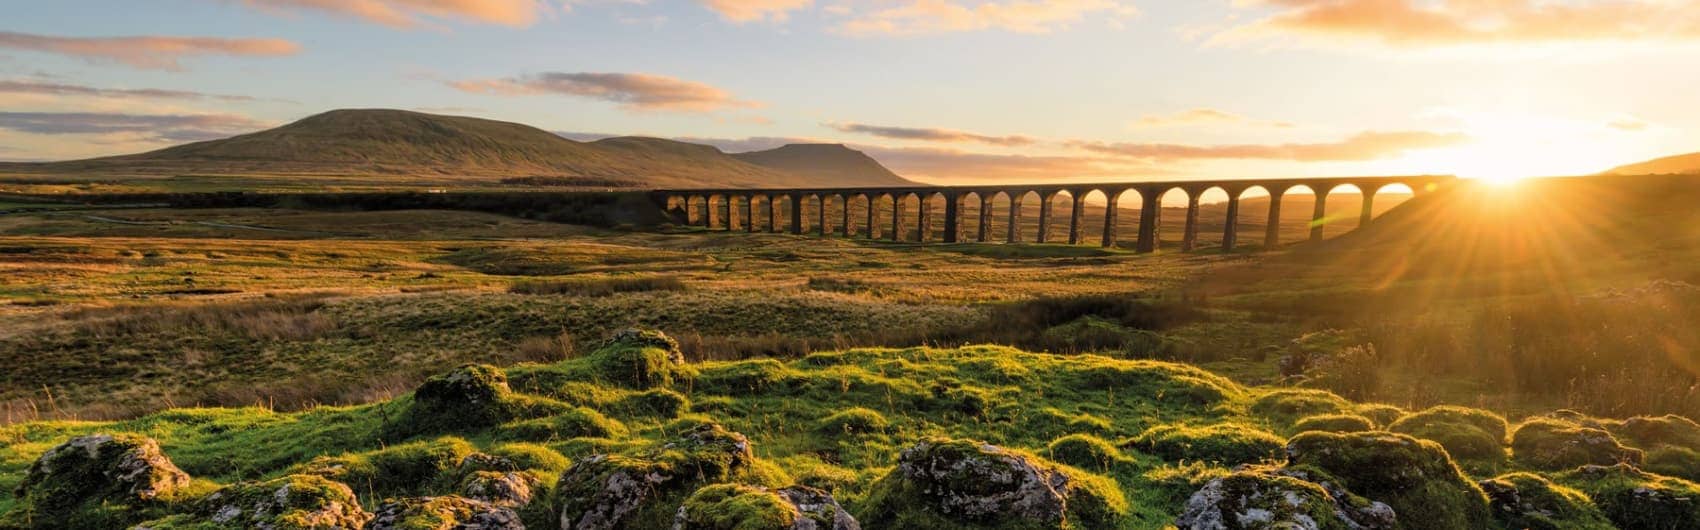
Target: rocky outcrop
(741, 507)
(979, 483)
(443, 513)
(512, 489)
(116, 472)
(1270, 499)
(611, 491)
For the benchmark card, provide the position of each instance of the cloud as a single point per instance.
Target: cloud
(952, 164)
(930, 135)
(729, 145)
(639, 92)
(146, 52)
(1360, 147)
(1628, 123)
(919, 17)
(1204, 116)
(151, 127)
(755, 10)
(62, 89)
(414, 13)
(1431, 23)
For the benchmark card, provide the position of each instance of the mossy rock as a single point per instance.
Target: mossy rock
(1636, 500)
(1549, 444)
(641, 359)
(398, 470)
(1382, 414)
(502, 488)
(947, 483)
(1225, 444)
(643, 490)
(579, 422)
(1670, 460)
(852, 421)
(443, 513)
(1287, 405)
(1529, 501)
(1334, 423)
(1412, 476)
(744, 507)
(655, 402)
(1649, 432)
(1467, 434)
(468, 398)
(95, 481)
(291, 502)
(1264, 499)
(1085, 451)
(1492, 424)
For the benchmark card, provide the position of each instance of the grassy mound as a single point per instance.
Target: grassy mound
(1471, 435)
(1527, 500)
(1632, 498)
(1226, 444)
(1550, 444)
(1412, 476)
(1334, 423)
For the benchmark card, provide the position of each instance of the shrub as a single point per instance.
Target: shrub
(1227, 444)
(1334, 423)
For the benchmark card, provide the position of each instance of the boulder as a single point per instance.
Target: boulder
(1269, 499)
(741, 507)
(112, 472)
(1412, 476)
(1527, 500)
(292, 502)
(470, 397)
(965, 481)
(607, 491)
(443, 513)
(1549, 444)
(511, 488)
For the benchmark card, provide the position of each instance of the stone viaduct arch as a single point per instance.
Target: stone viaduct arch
(732, 209)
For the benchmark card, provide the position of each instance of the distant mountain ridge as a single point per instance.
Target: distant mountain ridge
(398, 143)
(1670, 165)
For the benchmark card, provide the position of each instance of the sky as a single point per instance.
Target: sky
(943, 91)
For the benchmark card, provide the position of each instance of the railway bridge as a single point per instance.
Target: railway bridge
(725, 208)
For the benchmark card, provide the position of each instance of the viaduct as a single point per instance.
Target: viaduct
(715, 208)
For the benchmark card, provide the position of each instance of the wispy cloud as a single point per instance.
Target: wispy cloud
(1429, 23)
(146, 52)
(417, 13)
(755, 10)
(633, 91)
(1204, 116)
(64, 89)
(931, 134)
(919, 17)
(953, 164)
(1363, 146)
(151, 127)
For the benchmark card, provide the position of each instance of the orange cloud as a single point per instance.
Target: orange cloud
(753, 10)
(641, 92)
(1426, 23)
(1363, 146)
(931, 135)
(1203, 116)
(152, 127)
(951, 164)
(66, 89)
(146, 52)
(918, 17)
(409, 13)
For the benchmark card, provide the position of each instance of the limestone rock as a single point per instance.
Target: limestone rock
(1263, 499)
(742, 507)
(511, 489)
(607, 491)
(443, 513)
(113, 471)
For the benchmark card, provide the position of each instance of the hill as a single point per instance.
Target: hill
(1670, 165)
(396, 143)
(824, 162)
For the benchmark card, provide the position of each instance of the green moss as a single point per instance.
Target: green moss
(1529, 501)
(742, 377)
(642, 490)
(97, 481)
(1222, 443)
(543, 460)
(1085, 451)
(292, 502)
(655, 402)
(435, 513)
(1334, 423)
(1649, 432)
(1382, 414)
(1257, 498)
(735, 507)
(1634, 499)
(1413, 476)
(641, 359)
(579, 422)
(851, 421)
(1545, 443)
(1492, 424)
(953, 483)
(1288, 405)
(398, 470)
